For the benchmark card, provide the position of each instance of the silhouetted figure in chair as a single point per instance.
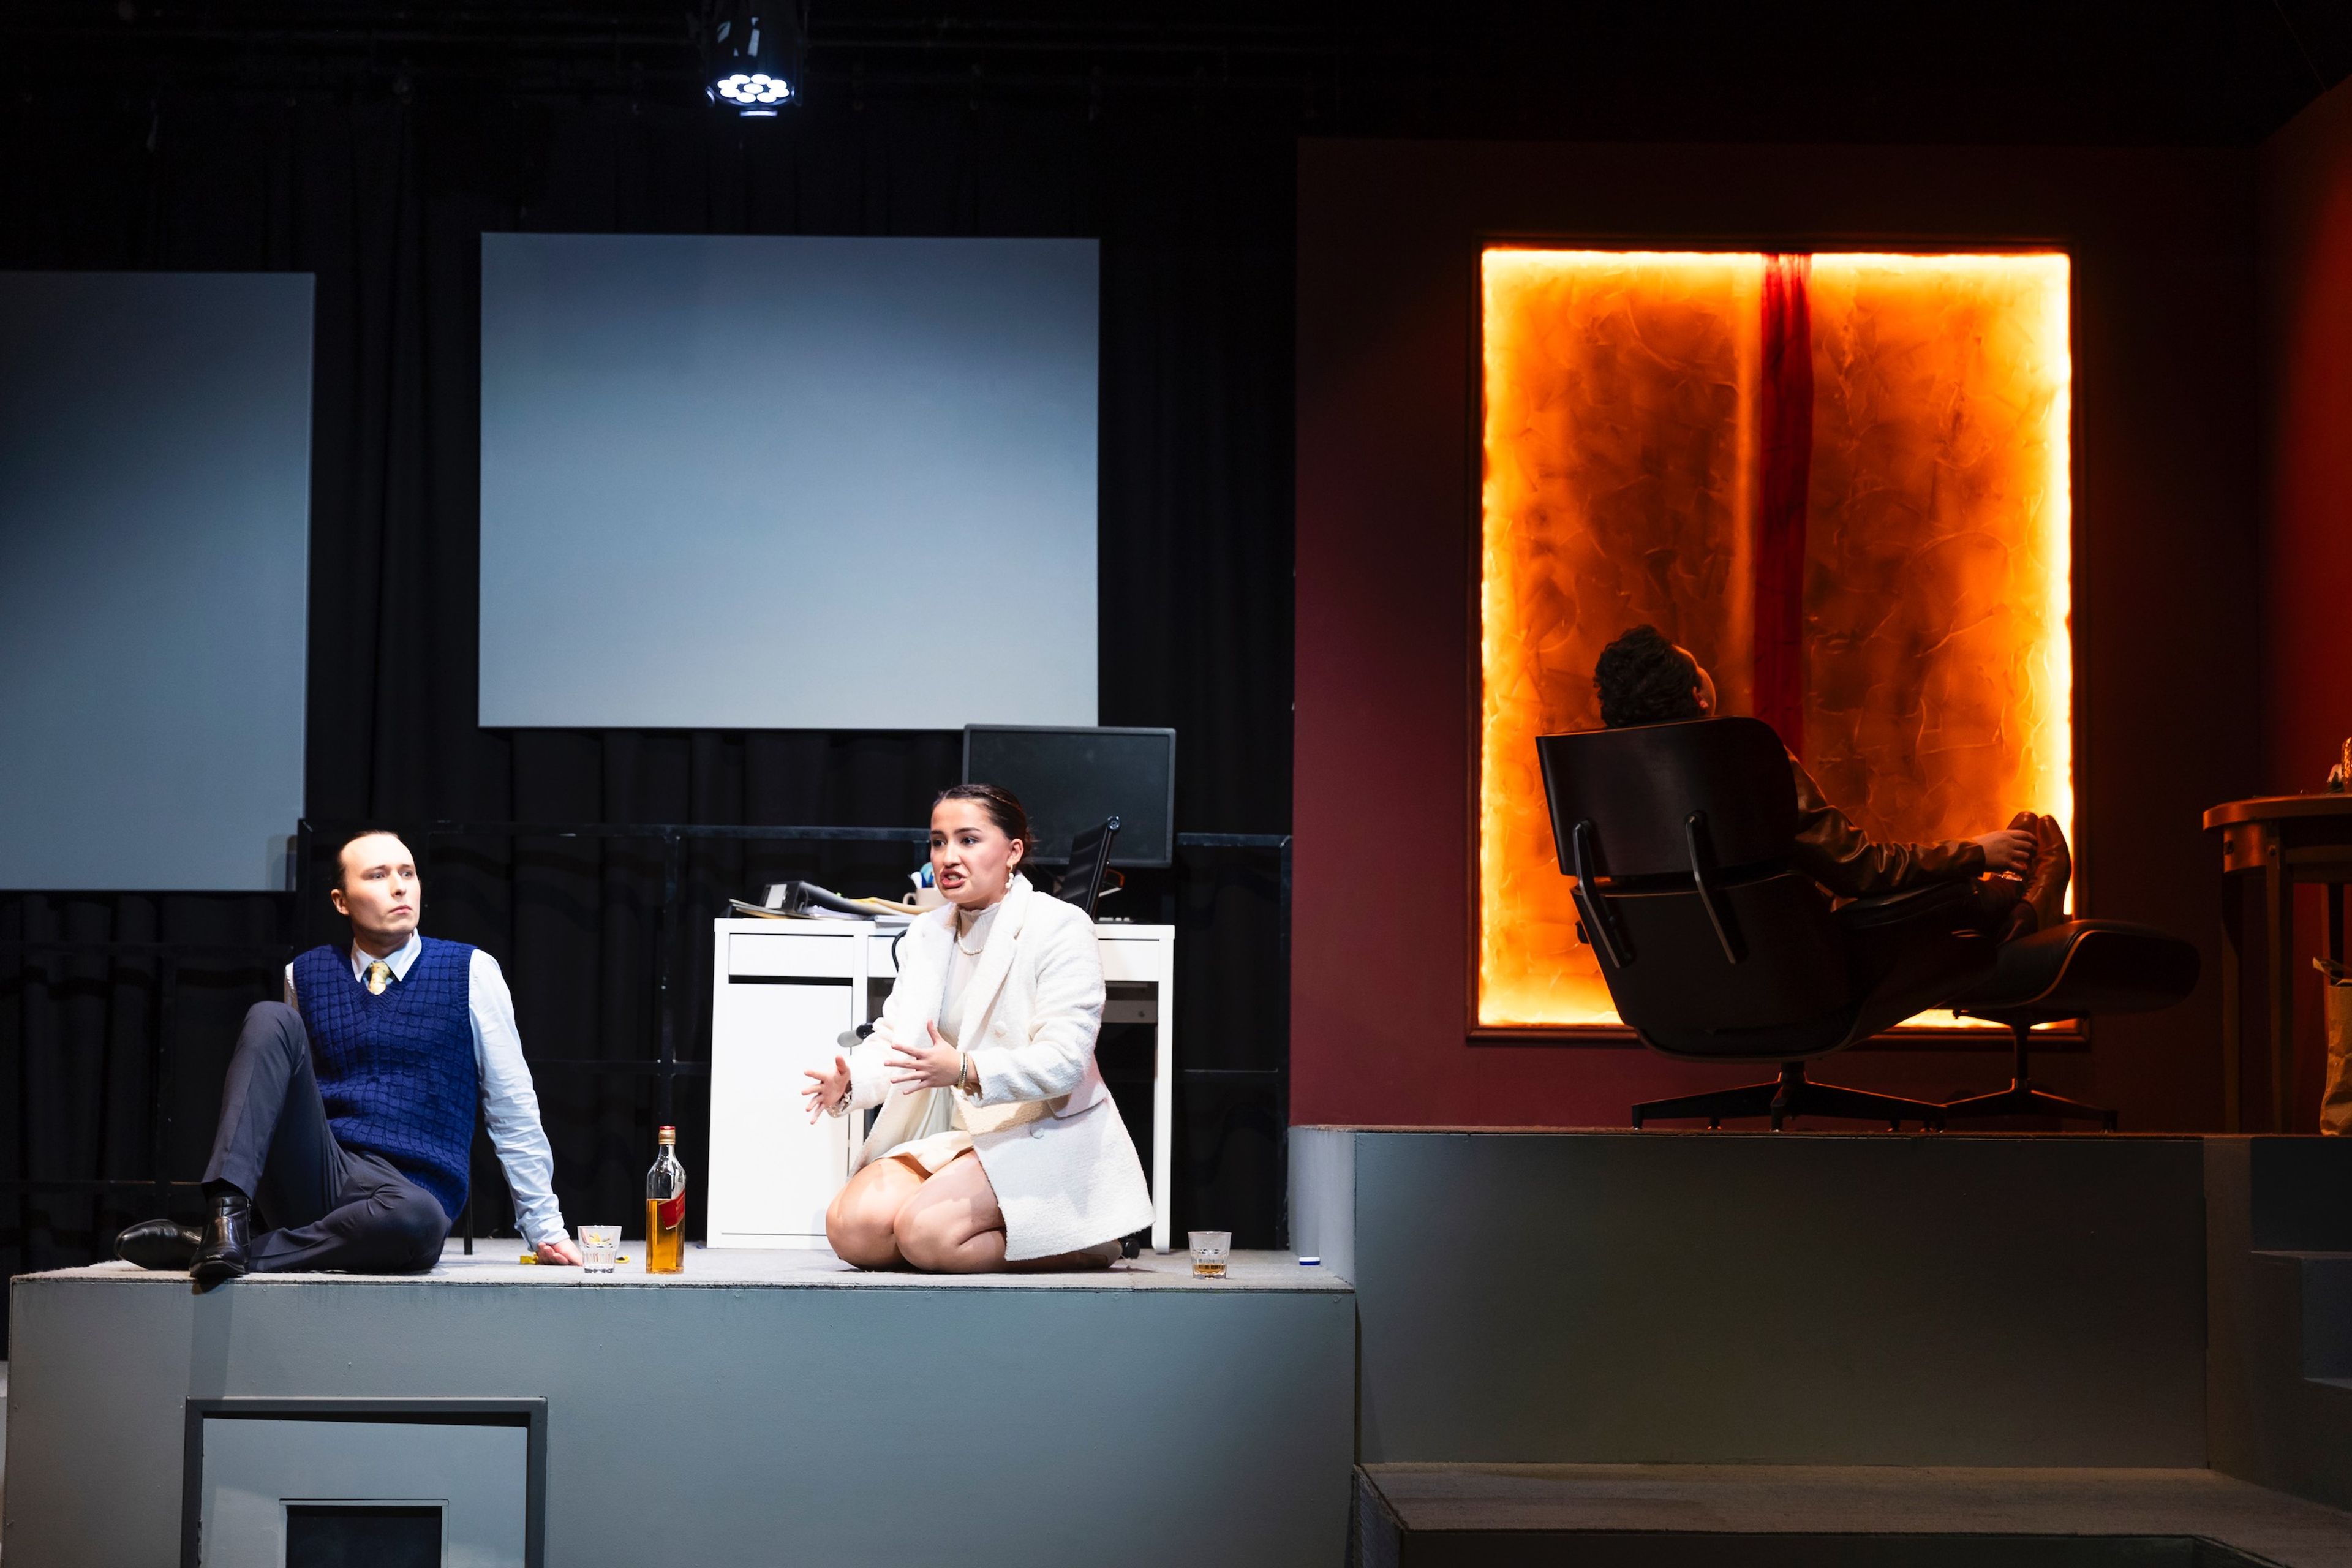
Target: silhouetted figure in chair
(1739, 916)
(2020, 871)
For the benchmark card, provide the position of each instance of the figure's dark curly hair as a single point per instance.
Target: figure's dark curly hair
(1643, 678)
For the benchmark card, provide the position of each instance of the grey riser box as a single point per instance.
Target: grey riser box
(713, 1424)
(1777, 1299)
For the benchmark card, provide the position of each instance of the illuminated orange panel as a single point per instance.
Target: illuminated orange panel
(1620, 393)
(1939, 672)
(1620, 408)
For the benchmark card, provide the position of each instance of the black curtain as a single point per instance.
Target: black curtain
(385, 200)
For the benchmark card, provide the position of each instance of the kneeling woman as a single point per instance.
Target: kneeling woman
(997, 1146)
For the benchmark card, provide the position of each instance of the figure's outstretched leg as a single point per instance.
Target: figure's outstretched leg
(860, 1223)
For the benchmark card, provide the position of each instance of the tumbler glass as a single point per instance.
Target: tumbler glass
(1209, 1250)
(599, 1245)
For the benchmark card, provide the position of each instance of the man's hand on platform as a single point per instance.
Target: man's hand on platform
(559, 1251)
(935, 1066)
(826, 1091)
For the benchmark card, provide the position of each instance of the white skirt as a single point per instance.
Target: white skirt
(938, 1137)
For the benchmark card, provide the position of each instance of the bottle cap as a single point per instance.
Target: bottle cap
(666, 1135)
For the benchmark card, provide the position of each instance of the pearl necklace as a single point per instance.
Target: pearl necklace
(962, 932)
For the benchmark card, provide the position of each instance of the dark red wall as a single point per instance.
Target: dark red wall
(2166, 577)
(2306, 340)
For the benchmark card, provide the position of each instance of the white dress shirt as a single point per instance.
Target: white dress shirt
(510, 1104)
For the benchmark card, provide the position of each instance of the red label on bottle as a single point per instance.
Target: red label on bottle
(671, 1212)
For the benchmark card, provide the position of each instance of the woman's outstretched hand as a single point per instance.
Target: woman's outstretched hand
(826, 1091)
(2011, 850)
(935, 1066)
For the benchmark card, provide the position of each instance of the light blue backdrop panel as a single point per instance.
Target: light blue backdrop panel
(154, 566)
(744, 482)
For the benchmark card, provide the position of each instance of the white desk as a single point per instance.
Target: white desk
(781, 994)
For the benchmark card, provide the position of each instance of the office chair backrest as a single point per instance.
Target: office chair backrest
(1639, 786)
(1678, 835)
(1090, 860)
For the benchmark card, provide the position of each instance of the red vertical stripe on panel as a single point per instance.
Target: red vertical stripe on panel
(1785, 420)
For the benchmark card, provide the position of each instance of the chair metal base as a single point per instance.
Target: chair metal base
(2021, 1099)
(1792, 1094)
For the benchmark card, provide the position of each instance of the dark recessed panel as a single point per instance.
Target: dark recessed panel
(362, 1535)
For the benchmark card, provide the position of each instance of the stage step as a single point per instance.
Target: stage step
(2279, 1288)
(2323, 1287)
(1779, 1516)
(2299, 1193)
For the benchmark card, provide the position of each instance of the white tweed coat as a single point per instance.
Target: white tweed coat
(1044, 1126)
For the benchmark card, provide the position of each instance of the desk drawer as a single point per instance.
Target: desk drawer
(1130, 959)
(815, 955)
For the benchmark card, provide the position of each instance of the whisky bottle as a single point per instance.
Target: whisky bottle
(666, 1209)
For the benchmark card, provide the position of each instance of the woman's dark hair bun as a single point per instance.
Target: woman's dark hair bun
(1004, 808)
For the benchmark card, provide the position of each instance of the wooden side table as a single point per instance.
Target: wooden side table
(2287, 839)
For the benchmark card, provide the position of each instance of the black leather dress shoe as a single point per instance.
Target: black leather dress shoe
(222, 1255)
(158, 1244)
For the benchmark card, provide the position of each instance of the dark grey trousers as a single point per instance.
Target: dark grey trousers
(331, 1207)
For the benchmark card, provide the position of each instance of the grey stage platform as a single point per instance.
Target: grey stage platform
(1688, 1516)
(763, 1408)
(1844, 1299)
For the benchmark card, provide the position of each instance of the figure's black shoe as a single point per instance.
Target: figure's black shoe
(222, 1255)
(158, 1244)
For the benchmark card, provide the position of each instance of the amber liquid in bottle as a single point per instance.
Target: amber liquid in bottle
(666, 1209)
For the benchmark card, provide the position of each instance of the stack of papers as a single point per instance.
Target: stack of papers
(885, 912)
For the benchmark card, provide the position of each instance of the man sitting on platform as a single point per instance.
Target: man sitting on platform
(348, 1111)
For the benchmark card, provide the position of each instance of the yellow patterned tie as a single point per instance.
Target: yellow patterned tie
(378, 977)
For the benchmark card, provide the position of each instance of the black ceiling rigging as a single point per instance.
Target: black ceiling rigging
(2205, 73)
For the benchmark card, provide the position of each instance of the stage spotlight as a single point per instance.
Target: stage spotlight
(753, 51)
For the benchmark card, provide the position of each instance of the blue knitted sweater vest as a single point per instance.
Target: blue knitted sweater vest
(397, 1071)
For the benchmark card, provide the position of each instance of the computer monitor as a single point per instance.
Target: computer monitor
(1071, 779)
